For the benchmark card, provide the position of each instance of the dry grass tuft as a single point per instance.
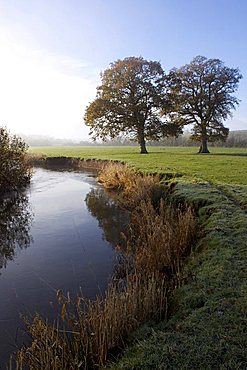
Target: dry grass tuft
(116, 176)
(132, 187)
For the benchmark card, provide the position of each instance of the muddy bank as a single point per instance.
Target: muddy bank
(72, 163)
(77, 164)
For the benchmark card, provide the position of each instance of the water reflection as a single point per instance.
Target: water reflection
(67, 251)
(112, 220)
(15, 220)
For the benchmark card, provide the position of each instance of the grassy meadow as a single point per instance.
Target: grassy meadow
(222, 165)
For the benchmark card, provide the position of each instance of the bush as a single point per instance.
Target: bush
(15, 170)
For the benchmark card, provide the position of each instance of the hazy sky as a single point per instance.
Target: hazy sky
(52, 51)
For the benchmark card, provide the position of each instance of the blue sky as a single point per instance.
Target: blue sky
(52, 51)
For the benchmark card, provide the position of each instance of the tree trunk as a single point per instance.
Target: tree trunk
(141, 140)
(204, 139)
(204, 146)
(143, 146)
(140, 134)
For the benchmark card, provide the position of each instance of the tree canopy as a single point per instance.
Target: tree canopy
(200, 93)
(129, 101)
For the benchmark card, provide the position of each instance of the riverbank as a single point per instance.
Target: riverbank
(68, 163)
(206, 328)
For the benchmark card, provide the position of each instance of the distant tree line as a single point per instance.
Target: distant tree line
(236, 139)
(44, 140)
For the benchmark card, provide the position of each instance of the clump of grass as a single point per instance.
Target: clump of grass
(132, 187)
(116, 176)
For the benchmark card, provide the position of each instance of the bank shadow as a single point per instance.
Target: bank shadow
(229, 154)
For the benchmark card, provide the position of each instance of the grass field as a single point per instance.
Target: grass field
(223, 165)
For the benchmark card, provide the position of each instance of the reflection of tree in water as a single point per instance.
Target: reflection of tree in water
(112, 219)
(15, 219)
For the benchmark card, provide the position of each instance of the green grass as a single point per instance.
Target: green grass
(223, 165)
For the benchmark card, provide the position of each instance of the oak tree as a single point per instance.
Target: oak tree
(129, 101)
(200, 93)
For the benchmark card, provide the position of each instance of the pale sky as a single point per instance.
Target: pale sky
(52, 52)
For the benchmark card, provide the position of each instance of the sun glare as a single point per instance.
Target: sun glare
(42, 94)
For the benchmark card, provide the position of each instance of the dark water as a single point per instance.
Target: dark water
(59, 234)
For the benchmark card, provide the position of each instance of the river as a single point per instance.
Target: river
(58, 234)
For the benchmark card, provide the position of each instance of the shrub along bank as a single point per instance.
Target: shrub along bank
(15, 170)
(207, 317)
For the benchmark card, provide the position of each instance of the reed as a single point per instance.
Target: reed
(160, 238)
(96, 327)
(132, 187)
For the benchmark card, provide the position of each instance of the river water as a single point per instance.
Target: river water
(58, 234)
